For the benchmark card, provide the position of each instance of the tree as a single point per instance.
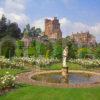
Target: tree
(38, 31)
(8, 49)
(14, 31)
(84, 52)
(32, 31)
(19, 48)
(97, 52)
(40, 48)
(57, 49)
(19, 44)
(8, 28)
(31, 51)
(35, 31)
(72, 47)
(19, 52)
(3, 26)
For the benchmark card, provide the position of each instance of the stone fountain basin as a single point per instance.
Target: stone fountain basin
(74, 78)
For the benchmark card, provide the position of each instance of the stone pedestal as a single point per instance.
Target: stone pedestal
(65, 75)
(64, 71)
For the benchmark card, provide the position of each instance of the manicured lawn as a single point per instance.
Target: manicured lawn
(11, 71)
(45, 93)
(71, 66)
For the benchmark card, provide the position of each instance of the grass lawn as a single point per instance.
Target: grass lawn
(45, 93)
(11, 71)
(71, 66)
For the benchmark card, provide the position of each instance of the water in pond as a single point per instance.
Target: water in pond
(72, 78)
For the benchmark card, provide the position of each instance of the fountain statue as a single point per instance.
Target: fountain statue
(65, 67)
(65, 55)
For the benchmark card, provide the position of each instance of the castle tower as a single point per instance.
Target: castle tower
(52, 28)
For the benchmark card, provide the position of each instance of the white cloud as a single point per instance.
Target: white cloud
(16, 6)
(21, 19)
(68, 26)
(95, 29)
(39, 24)
(1, 12)
(15, 11)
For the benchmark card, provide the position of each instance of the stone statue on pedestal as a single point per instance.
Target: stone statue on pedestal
(65, 55)
(65, 67)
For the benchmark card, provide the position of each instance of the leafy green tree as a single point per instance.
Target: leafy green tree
(19, 48)
(13, 30)
(97, 52)
(8, 49)
(19, 44)
(72, 47)
(38, 31)
(33, 31)
(8, 28)
(19, 52)
(3, 26)
(31, 51)
(40, 48)
(57, 49)
(84, 52)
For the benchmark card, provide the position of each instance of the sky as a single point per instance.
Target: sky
(74, 15)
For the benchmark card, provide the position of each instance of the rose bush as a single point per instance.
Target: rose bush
(7, 81)
(20, 62)
(40, 61)
(86, 62)
(7, 63)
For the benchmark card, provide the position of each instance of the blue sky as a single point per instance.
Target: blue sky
(86, 11)
(74, 15)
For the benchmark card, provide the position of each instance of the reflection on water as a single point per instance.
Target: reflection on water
(72, 78)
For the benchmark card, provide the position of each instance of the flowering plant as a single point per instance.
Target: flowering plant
(20, 62)
(39, 61)
(86, 62)
(7, 80)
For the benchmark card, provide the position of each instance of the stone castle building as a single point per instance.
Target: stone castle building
(84, 38)
(52, 29)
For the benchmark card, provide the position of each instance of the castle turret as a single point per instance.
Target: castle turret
(52, 28)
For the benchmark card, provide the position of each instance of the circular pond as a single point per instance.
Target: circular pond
(72, 78)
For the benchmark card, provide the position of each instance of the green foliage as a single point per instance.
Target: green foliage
(3, 26)
(72, 47)
(19, 52)
(7, 80)
(72, 66)
(19, 48)
(57, 50)
(38, 31)
(8, 28)
(31, 51)
(83, 52)
(13, 30)
(32, 31)
(97, 52)
(72, 51)
(47, 54)
(19, 44)
(40, 48)
(8, 49)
